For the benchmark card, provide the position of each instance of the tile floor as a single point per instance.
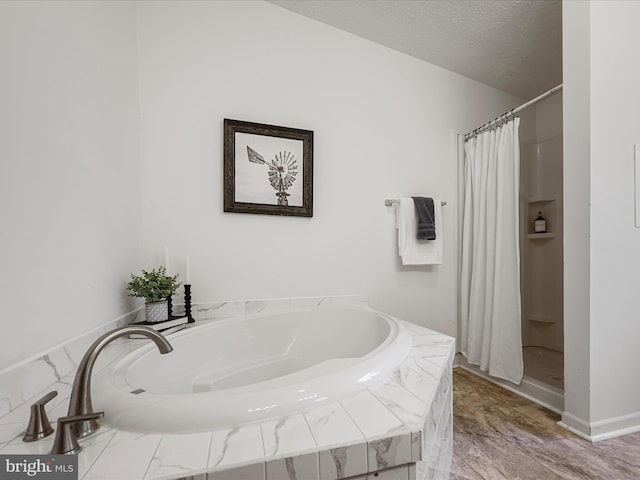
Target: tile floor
(499, 435)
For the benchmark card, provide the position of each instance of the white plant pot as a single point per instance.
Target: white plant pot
(157, 311)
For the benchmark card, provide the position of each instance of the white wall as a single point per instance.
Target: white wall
(549, 118)
(69, 174)
(602, 259)
(382, 123)
(576, 192)
(615, 256)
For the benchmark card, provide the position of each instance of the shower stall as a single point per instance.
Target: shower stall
(541, 253)
(541, 262)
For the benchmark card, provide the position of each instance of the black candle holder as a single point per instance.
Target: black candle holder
(187, 303)
(170, 307)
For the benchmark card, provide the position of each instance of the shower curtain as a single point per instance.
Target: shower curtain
(490, 310)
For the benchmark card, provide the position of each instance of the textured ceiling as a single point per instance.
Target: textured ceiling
(512, 45)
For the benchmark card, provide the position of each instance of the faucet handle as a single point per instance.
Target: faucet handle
(66, 441)
(39, 426)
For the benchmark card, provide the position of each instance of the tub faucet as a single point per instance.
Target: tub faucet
(80, 403)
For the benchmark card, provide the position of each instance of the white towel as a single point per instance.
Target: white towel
(412, 250)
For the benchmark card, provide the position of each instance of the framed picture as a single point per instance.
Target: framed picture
(267, 169)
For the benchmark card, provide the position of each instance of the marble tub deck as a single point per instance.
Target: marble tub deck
(400, 427)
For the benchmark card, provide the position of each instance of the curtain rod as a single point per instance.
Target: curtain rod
(511, 113)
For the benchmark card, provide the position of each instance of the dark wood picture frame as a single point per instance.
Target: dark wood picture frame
(263, 171)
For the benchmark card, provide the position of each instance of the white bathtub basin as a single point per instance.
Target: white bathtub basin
(250, 368)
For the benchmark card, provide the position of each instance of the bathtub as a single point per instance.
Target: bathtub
(251, 368)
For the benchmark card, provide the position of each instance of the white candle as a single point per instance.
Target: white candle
(166, 260)
(188, 271)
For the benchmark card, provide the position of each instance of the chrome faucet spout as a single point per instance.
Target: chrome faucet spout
(80, 402)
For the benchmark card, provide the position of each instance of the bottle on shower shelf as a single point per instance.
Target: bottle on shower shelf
(539, 224)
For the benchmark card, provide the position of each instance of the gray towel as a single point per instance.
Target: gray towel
(426, 225)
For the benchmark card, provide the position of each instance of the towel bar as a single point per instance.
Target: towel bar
(390, 201)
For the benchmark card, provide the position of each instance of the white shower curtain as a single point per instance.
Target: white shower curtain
(490, 308)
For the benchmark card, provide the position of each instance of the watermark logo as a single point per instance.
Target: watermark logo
(50, 467)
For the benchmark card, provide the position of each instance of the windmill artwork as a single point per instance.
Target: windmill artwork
(282, 172)
(268, 169)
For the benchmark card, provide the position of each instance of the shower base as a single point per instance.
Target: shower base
(545, 365)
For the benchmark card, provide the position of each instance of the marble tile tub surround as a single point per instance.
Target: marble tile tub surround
(220, 310)
(400, 428)
(21, 382)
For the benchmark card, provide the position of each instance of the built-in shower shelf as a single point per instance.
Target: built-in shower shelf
(541, 318)
(534, 236)
(545, 199)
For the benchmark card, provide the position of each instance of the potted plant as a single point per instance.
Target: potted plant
(155, 287)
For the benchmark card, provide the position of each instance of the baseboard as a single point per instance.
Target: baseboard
(602, 429)
(576, 425)
(615, 427)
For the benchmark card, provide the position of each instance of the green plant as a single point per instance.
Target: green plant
(153, 286)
